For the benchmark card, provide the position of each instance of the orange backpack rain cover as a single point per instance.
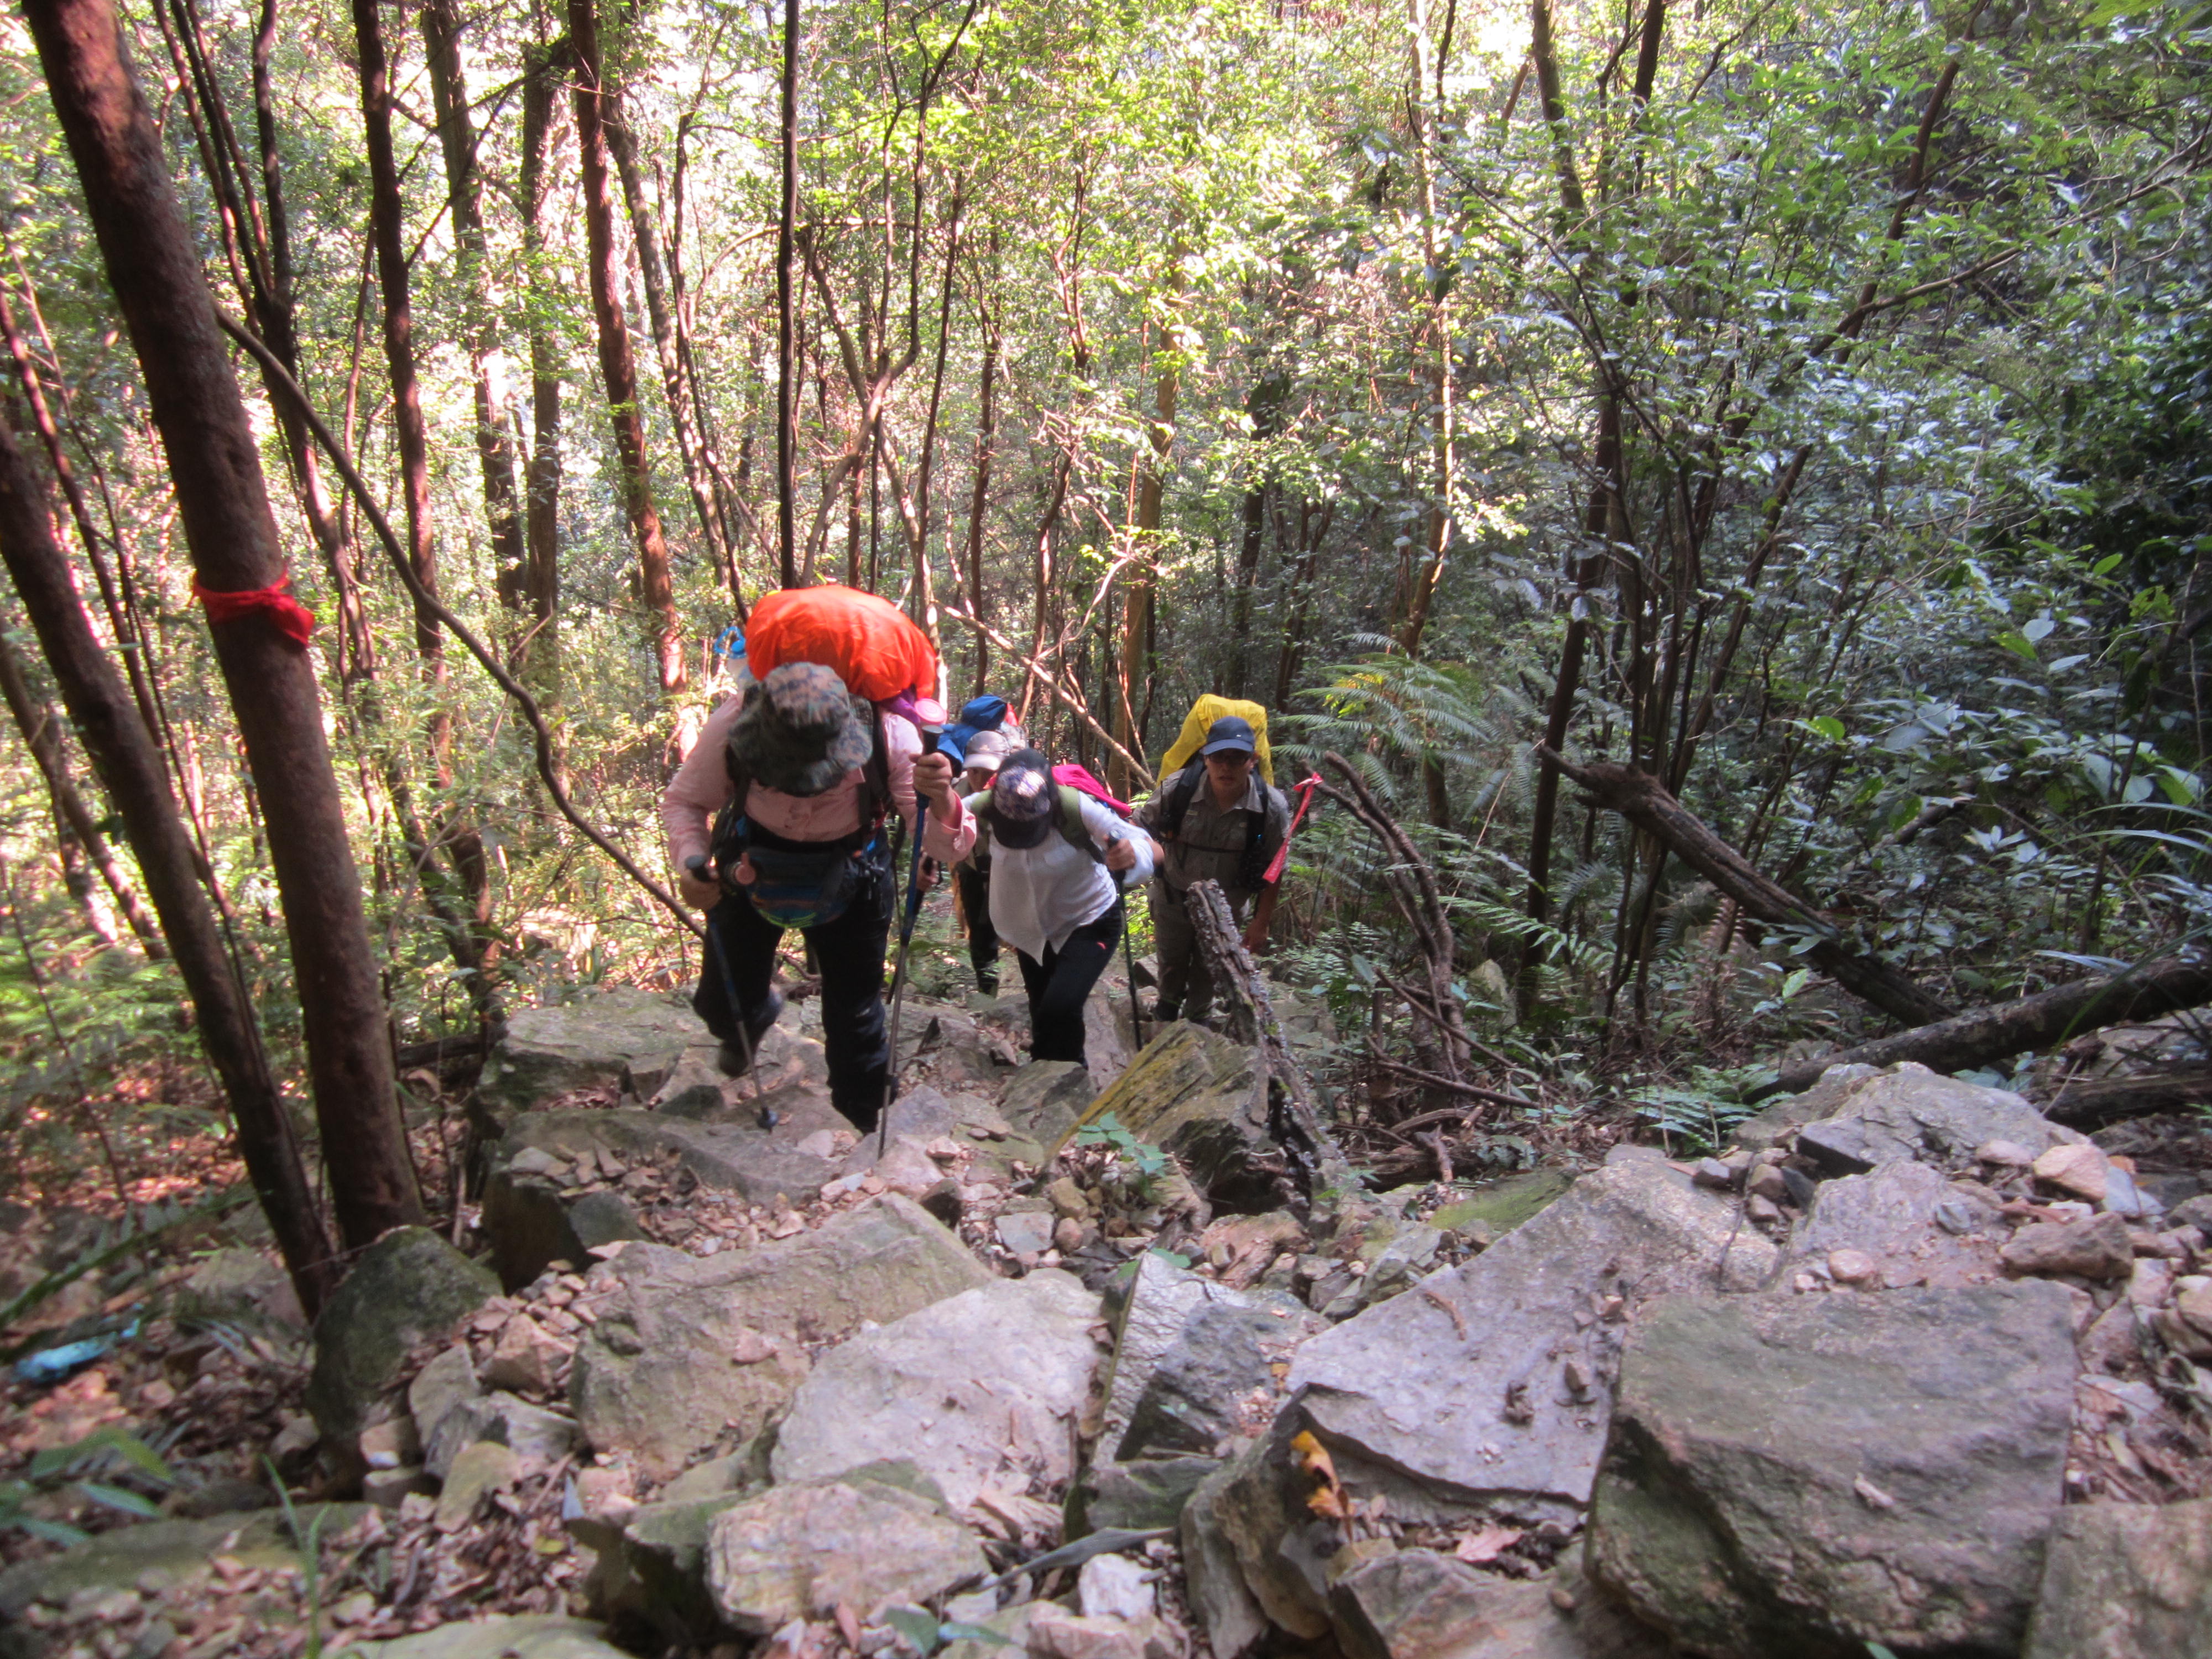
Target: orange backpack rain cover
(874, 646)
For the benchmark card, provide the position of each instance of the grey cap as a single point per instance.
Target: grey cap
(988, 751)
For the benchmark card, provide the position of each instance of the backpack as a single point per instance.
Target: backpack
(1203, 714)
(1175, 797)
(977, 716)
(875, 647)
(795, 884)
(1079, 778)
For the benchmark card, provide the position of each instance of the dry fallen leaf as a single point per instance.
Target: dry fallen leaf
(1328, 1498)
(1486, 1543)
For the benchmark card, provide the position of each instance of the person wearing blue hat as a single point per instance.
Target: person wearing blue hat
(986, 752)
(1216, 820)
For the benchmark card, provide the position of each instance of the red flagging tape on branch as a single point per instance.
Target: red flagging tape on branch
(1305, 792)
(291, 618)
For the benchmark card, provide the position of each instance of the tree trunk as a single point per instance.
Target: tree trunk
(1644, 801)
(645, 236)
(1437, 522)
(2089, 1104)
(1263, 403)
(1312, 526)
(787, 390)
(1141, 585)
(1982, 1035)
(617, 364)
(153, 269)
(129, 763)
(986, 431)
(388, 232)
(456, 143)
(539, 657)
(466, 933)
(42, 737)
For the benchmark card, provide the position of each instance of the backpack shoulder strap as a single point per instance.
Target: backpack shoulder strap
(876, 776)
(1181, 790)
(1068, 818)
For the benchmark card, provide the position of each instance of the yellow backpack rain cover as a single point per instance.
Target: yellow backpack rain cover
(1203, 714)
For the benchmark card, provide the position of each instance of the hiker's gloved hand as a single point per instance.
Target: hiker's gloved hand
(933, 779)
(1120, 855)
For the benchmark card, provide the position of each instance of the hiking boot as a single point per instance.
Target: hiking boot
(987, 984)
(735, 1059)
(1166, 1013)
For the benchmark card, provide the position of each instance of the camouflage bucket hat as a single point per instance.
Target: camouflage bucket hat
(1022, 801)
(802, 731)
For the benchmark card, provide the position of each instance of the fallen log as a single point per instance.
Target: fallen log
(1250, 1015)
(2092, 1103)
(1644, 801)
(1982, 1035)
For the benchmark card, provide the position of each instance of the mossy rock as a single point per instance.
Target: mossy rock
(408, 1287)
(171, 1552)
(1503, 1205)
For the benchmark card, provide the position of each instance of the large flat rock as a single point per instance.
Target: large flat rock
(690, 1349)
(981, 1390)
(620, 1035)
(1218, 1385)
(1161, 1299)
(1045, 1098)
(801, 1552)
(1465, 1383)
(1809, 1474)
(2126, 1581)
(760, 1165)
(1780, 1123)
(1909, 1114)
(1194, 1094)
(789, 1066)
(1417, 1604)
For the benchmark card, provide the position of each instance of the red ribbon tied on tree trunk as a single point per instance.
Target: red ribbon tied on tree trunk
(290, 618)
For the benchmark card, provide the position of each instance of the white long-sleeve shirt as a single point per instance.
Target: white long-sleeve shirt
(1041, 895)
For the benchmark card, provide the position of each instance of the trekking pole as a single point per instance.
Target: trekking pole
(696, 866)
(907, 915)
(1129, 967)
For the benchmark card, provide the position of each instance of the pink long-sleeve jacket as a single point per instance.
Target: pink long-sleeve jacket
(701, 788)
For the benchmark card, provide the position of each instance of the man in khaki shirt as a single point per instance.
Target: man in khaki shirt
(1218, 821)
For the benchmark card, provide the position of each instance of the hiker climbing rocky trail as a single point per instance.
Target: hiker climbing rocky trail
(1081, 1364)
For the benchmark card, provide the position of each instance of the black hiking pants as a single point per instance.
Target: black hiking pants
(849, 954)
(982, 938)
(1060, 984)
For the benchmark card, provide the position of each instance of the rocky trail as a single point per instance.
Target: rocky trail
(1909, 1368)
